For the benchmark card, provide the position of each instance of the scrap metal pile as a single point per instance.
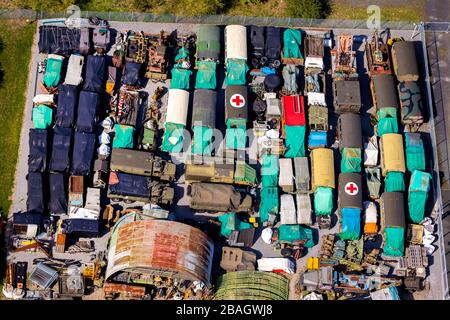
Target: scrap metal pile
(101, 143)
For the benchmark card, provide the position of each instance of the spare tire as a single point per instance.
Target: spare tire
(259, 106)
(272, 82)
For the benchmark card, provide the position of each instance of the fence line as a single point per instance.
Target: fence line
(207, 19)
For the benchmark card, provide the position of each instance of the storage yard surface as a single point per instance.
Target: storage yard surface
(180, 207)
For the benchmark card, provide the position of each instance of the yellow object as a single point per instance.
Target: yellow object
(392, 153)
(255, 225)
(252, 220)
(322, 163)
(110, 87)
(313, 263)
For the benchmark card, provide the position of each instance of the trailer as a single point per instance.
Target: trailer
(76, 191)
(378, 56)
(288, 213)
(302, 176)
(314, 52)
(286, 176)
(347, 96)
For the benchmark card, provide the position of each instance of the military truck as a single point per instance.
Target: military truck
(130, 188)
(347, 96)
(157, 67)
(239, 173)
(142, 163)
(411, 103)
(218, 197)
(378, 56)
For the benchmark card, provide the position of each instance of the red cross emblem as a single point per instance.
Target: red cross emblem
(237, 100)
(351, 189)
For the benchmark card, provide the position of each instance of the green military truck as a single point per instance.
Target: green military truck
(142, 163)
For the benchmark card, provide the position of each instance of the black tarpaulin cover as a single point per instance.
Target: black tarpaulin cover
(60, 161)
(58, 40)
(87, 111)
(27, 218)
(81, 227)
(130, 185)
(273, 43)
(83, 153)
(131, 74)
(66, 105)
(58, 200)
(35, 201)
(95, 73)
(37, 159)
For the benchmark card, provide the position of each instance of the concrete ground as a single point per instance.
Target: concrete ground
(181, 208)
(438, 44)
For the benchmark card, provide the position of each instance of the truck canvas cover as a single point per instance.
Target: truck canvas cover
(218, 197)
(393, 210)
(42, 116)
(350, 223)
(87, 228)
(415, 152)
(286, 177)
(35, 200)
(208, 42)
(387, 121)
(87, 111)
(74, 70)
(177, 106)
(206, 77)
(67, 102)
(323, 201)
(392, 155)
(351, 160)
(405, 61)
(58, 40)
(350, 131)
(58, 200)
(83, 153)
(322, 163)
(304, 209)
(235, 42)
(385, 95)
(236, 74)
(295, 141)
(53, 68)
(419, 188)
(125, 184)
(350, 190)
(269, 204)
(204, 108)
(131, 74)
(410, 102)
(124, 137)
(294, 110)
(394, 181)
(95, 77)
(347, 96)
(37, 159)
(236, 102)
(292, 39)
(273, 43)
(60, 159)
(288, 214)
(180, 78)
(302, 178)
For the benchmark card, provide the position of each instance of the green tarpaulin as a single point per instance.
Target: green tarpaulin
(52, 74)
(292, 39)
(236, 134)
(230, 222)
(269, 170)
(202, 142)
(180, 79)
(124, 137)
(236, 72)
(351, 160)
(350, 224)
(419, 188)
(42, 117)
(295, 141)
(395, 242)
(323, 201)
(394, 182)
(269, 203)
(295, 232)
(206, 75)
(182, 55)
(387, 121)
(415, 153)
(173, 137)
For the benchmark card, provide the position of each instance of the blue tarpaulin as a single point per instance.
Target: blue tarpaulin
(87, 111)
(350, 223)
(60, 159)
(83, 153)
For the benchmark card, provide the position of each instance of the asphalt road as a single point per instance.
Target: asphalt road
(438, 44)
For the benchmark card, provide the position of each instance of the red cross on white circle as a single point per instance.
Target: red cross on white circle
(351, 188)
(237, 100)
